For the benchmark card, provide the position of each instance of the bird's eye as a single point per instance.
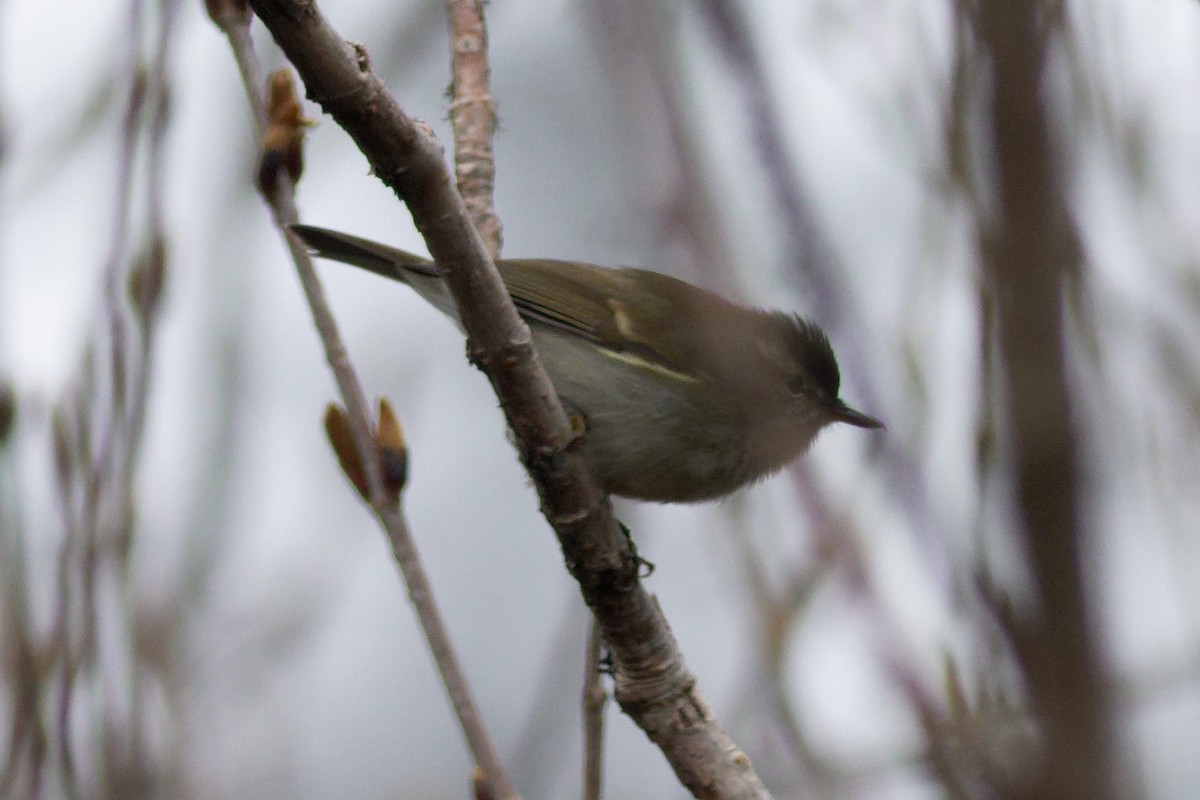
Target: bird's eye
(797, 386)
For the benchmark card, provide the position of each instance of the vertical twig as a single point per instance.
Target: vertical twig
(27, 729)
(594, 700)
(96, 436)
(1029, 254)
(473, 119)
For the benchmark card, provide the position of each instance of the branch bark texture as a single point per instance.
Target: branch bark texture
(473, 117)
(652, 683)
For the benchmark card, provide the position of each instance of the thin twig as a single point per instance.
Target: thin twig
(594, 700)
(96, 435)
(473, 119)
(282, 204)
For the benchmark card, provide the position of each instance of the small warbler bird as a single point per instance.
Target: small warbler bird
(684, 396)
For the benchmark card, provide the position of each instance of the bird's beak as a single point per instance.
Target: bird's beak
(844, 413)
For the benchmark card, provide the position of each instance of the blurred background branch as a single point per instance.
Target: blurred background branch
(1031, 256)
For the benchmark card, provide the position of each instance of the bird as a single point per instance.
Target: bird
(682, 396)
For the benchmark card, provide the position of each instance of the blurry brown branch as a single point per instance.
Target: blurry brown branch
(639, 49)
(276, 180)
(473, 118)
(778, 612)
(808, 243)
(652, 683)
(21, 667)
(813, 259)
(1030, 255)
(840, 541)
(64, 679)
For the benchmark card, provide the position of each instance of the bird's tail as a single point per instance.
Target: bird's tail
(389, 262)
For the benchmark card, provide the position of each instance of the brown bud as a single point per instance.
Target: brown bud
(393, 450)
(389, 445)
(480, 786)
(283, 139)
(337, 428)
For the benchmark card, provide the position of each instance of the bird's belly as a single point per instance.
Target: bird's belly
(649, 435)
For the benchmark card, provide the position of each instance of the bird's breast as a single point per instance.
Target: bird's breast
(650, 434)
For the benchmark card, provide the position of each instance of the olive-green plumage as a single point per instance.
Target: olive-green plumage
(685, 396)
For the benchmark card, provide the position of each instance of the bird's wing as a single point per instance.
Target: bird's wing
(593, 303)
